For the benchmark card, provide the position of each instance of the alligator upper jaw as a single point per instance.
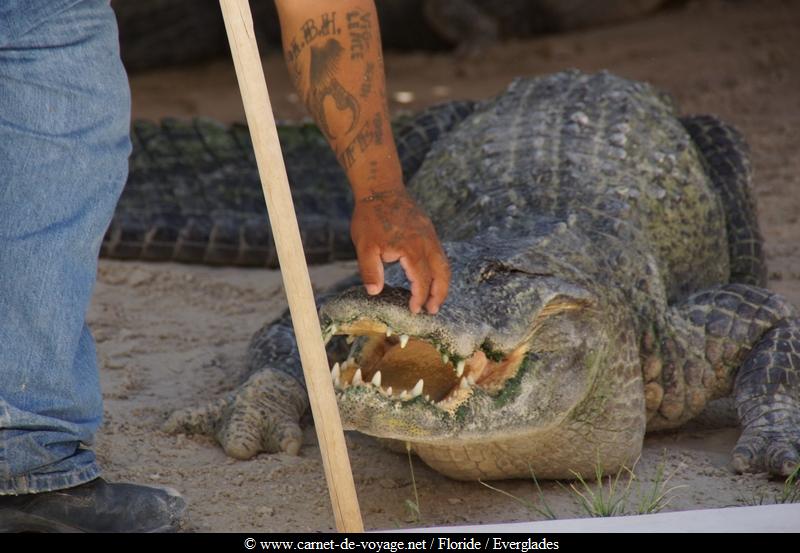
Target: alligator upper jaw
(403, 367)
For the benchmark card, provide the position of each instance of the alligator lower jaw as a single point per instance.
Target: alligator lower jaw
(404, 367)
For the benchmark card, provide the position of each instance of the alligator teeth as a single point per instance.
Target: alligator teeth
(445, 358)
(388, 331)
(427, 397)
(460, 367)
(357, 381)
(464, 384)
(336, 376)
(329, 332)
(417, 391)
(350, 338)
(376, 380)
(403, 341)
(389, 391)
(404, 395)
(471, 380)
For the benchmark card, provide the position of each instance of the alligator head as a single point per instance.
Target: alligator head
(517, 360)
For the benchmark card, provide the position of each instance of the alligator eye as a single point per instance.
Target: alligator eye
(497, 269)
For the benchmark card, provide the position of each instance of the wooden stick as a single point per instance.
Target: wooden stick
(239, 26)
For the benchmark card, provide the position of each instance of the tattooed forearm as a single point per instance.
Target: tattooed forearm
(336, 65)
(370, 133)
(333, 50)
(324, 87)
(359, 26)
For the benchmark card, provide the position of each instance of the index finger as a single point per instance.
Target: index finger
(419, 276)
(371, 268)
(441, 282)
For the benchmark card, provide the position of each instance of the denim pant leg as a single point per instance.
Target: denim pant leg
(64, 145)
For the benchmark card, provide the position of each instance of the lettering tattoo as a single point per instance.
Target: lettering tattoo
(359, 26)
(370, 133)
(382, 70)
(366, 86)
(377, 129)
(324, 87)
(311, 30)
(373, 171)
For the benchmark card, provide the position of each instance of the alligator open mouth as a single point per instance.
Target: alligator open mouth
(403, 367)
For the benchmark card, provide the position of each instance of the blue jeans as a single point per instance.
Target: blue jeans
(64, 146)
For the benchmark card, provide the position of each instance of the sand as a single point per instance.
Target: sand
(171, 336)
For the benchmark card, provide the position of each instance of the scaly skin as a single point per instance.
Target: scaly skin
(193, 195)
(730, 174)
(596, 294)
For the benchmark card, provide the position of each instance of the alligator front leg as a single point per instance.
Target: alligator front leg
(263, 414)
(738, 337)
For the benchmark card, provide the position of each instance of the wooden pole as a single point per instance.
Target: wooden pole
(296, 282)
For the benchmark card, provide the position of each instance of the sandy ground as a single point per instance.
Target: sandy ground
(171, 336)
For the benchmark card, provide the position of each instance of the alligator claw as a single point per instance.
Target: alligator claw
(776, 452)
(261, 415)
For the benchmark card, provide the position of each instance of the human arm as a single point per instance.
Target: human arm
(333, 52)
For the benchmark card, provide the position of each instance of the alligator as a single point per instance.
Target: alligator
(608, 280)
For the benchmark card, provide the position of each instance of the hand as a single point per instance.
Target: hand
(389, 226)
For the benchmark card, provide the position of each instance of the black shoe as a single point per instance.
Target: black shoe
(96, 506)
